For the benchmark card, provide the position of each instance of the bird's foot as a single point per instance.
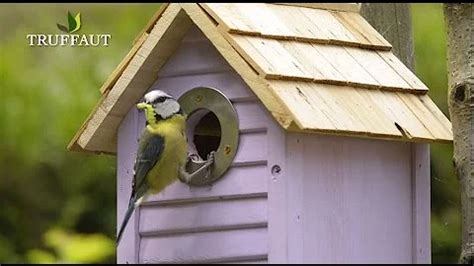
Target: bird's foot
(210, 161)
(184, 176)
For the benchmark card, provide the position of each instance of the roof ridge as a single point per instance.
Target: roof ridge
(347, 7)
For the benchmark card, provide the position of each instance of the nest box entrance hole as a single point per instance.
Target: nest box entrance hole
(204, 132)
(212, 125)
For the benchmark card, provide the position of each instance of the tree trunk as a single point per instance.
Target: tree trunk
(460, 24)
(393, 21)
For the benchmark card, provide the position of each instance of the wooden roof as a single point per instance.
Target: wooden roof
(315, 67)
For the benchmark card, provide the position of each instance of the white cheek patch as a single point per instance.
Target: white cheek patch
(167, 108)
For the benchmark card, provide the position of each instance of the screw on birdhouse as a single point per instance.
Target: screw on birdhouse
(227, 149)
(198, 98)
(276, 169)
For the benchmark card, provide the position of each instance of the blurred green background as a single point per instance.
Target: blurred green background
(60, 206)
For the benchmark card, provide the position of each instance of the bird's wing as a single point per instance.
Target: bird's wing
(149, 152)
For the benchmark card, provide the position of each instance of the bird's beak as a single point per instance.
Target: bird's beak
(141, 106)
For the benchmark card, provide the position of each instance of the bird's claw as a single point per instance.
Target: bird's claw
(210, 161)
(206, 168)
(211, 157)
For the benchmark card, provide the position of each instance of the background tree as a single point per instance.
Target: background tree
(460, 25)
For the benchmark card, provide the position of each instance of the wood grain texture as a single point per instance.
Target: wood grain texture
(363, 112)
(151, 23)
(349, 7)
(327, 64)
(293, 22)
(122, 65)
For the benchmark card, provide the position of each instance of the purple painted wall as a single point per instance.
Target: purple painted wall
(335, 199)
(225, 222)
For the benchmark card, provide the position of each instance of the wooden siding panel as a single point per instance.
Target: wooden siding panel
(206, 246)
(240, 181)
(196, 56)
(203, 216)
(228, 82)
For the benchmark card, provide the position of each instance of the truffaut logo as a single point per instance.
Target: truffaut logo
(74, 23)
(69, 39)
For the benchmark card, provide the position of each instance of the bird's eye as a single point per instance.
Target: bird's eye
(159, 100)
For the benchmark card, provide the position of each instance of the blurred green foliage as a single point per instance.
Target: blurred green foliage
(72, 248)
(57, 205)
(60, 206)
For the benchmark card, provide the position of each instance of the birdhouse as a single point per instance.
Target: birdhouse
(321, 135)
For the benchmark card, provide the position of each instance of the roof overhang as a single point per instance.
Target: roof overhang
(384, 100)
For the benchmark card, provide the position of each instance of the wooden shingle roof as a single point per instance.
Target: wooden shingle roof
(315, 67)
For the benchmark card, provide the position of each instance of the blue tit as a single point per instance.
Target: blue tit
(162, 149)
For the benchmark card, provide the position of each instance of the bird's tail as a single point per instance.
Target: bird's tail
(128, 214)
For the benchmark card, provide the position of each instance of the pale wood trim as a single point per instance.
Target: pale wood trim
(151, 23)
(137, 42)
(347, 7)
(109, 83)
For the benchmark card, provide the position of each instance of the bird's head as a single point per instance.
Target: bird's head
(159, 105)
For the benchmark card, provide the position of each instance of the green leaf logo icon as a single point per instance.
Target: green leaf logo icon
(74, 23)
(61, 27)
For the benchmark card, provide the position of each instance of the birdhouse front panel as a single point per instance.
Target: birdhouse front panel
(353, 200)
(224, 222)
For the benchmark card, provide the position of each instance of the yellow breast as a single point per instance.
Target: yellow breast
(174, 154)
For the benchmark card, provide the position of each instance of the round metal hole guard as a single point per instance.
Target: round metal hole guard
(215, 101)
